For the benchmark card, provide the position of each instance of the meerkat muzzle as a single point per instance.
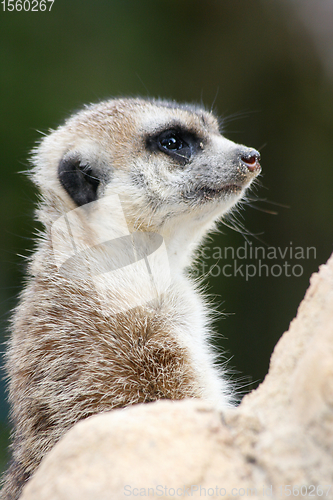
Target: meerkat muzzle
(251, 161)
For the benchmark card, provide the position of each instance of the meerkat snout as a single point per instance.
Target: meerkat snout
(250, 159)
(110, 316)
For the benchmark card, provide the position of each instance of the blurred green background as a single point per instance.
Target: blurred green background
(265, 66)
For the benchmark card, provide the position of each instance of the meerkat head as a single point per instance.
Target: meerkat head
(173, 171)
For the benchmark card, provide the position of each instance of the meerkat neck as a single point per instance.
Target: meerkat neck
(182, 241)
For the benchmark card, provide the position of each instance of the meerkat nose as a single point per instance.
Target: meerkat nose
(251, 160)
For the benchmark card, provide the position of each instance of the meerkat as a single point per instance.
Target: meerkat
(110, 316)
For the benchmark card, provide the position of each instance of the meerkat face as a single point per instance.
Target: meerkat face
(164, 160)
(187, 166)
(169, 165)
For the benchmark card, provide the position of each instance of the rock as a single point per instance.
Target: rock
(278, 443)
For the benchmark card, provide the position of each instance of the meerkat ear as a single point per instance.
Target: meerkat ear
(79, 179)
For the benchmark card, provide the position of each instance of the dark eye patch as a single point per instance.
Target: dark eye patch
(177, 143)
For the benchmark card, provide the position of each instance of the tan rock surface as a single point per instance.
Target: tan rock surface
(280, 437)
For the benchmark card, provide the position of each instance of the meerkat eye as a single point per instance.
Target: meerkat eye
(173, 142)
(180, 144)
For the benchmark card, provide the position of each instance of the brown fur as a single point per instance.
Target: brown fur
(70, 355)
(68, 361)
